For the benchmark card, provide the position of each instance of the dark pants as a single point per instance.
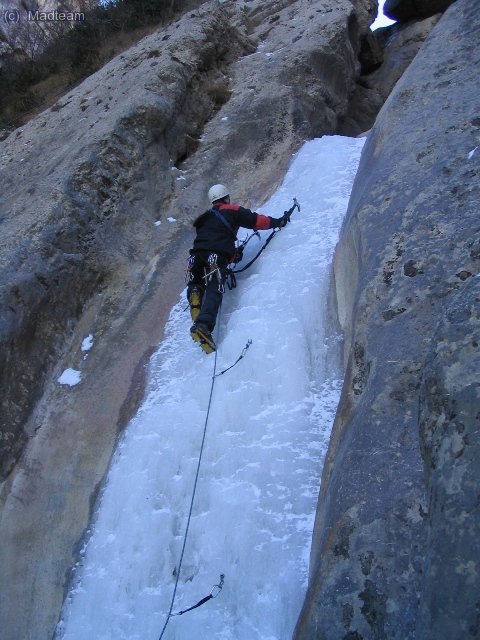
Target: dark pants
(207, 272)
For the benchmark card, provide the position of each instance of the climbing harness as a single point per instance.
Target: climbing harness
(218, 587)
(212, 271)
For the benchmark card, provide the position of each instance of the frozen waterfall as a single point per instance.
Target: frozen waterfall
(266, 439)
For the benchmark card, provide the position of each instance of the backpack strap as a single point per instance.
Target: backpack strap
(222, 218)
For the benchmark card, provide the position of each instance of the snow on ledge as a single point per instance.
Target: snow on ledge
(70, 377)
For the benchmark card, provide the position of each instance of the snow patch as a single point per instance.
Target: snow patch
(70, 377)
(87, 343)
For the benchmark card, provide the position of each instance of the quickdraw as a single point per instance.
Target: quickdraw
(214, 271)
(188, 270)
(213, 594)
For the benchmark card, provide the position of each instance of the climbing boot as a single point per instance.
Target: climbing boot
(202, 335)
(195, 302)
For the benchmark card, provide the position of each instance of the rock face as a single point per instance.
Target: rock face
(385, 55)
(401, 43)
(98, 194)
(450, 441)
(78, 220)
(87, 247)
(394, 553)
(404, 10)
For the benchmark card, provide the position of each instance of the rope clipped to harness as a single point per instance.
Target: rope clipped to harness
(213, 594)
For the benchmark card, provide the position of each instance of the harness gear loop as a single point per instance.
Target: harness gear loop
(188, 270)
(214, 271)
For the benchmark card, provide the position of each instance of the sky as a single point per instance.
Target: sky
(266, 438)
(381, 21)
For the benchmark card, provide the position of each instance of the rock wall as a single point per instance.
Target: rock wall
(394, 552)
(88, 187)
(404, 10)
(384, 56)
(400, 44)
(449, 420)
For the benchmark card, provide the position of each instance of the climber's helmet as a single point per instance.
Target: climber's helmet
(218, 192)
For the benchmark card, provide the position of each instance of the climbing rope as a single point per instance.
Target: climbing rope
(218, 587)
(192, 500)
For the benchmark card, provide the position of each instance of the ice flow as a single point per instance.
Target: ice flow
(266, 439)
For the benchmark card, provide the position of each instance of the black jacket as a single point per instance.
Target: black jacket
(214, 236)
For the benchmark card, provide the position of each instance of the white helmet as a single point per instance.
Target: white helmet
(217, 192)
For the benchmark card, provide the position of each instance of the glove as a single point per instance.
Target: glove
(279, 222)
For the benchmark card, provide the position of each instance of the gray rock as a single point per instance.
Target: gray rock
(401, 44)
(404, 10)
(134, 124)
(283, 93)
(408, 253)
(92, 197)
(382, 64)
(450, 441)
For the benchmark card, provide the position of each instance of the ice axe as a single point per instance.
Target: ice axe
(288, 213)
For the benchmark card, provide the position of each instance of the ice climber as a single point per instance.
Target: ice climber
(213, 250)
